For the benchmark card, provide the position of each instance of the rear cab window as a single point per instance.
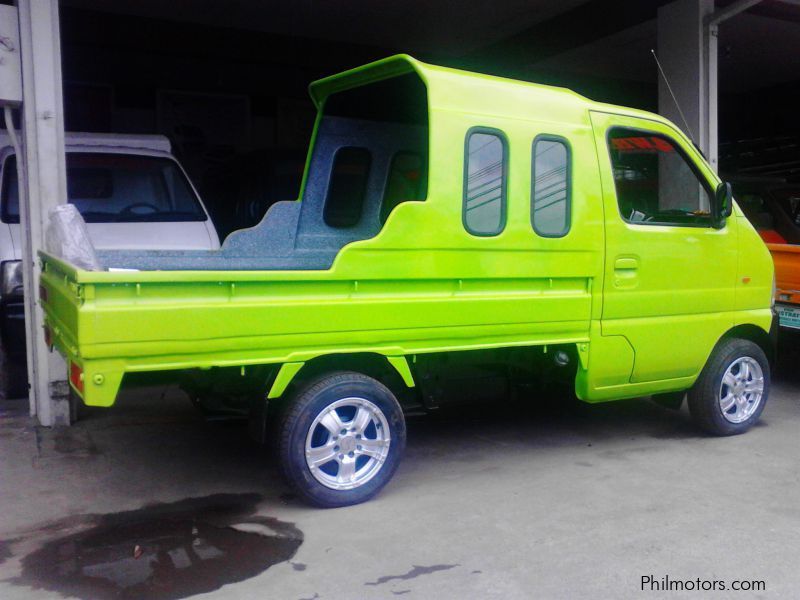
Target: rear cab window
(656, 183)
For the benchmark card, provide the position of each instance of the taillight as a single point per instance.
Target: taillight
(76, 376)
(48, 337)
(42, 293)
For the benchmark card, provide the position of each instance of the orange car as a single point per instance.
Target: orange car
(774, 210)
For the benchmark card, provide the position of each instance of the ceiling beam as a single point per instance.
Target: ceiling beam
(576, 27)
(729, 11)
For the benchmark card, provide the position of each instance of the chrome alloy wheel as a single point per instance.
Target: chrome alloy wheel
(741, 389)
(347, 443)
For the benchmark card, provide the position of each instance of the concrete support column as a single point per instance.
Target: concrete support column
(42, 187)
(683, 53)
(687, 49)
(712, 22)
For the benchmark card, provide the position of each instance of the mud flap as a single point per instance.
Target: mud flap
(609, 366)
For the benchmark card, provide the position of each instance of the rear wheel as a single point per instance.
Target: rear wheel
(729, 396)
(342, 437)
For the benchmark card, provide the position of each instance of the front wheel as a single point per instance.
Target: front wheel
(341, 439)
(729, 396)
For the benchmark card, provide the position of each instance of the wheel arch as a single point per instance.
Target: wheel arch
(393, 371)
(755, 334)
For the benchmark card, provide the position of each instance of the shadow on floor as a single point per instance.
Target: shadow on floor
(162, 551)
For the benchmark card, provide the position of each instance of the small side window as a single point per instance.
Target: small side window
(485, 175)
(347, 187)
(550, 187)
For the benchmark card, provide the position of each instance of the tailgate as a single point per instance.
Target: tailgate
(62, 297)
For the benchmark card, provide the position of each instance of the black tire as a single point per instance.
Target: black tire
(704, 397)
(311, 401)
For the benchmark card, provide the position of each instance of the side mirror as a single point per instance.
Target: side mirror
(723, 203)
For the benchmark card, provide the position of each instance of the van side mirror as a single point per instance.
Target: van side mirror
(723, 204)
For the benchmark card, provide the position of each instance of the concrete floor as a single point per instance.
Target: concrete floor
(488, 503)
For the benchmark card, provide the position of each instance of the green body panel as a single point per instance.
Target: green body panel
(288, 370)
(284, 377)
(424, 284)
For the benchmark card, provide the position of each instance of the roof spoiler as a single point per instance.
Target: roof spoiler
(392, 66)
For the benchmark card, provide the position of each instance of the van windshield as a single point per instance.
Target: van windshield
(114, 188)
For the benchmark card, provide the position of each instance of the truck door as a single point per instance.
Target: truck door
(669, 274)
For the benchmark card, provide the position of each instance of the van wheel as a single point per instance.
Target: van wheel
(341, 440)
(732, 389)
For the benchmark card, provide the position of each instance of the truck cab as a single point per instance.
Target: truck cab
(456, 235)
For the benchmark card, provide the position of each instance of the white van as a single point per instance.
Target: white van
(132, 194)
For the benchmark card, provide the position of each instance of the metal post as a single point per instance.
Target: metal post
(43, 187)
(712, 95)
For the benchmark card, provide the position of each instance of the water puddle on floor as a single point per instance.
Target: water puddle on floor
(162, 551)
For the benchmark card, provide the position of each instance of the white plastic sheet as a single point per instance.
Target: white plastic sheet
(68, 238)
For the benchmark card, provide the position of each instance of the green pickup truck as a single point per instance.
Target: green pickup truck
(454, 232)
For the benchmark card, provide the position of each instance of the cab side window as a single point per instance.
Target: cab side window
(485, 182)
(656, 183)
(550, 193)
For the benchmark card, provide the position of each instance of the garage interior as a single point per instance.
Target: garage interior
(254, 68)
(227, 83)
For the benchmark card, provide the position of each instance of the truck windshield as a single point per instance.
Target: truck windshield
(789, 200)
(114, 188)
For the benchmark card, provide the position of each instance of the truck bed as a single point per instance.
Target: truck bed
(109, 323)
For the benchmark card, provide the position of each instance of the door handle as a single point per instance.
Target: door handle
(626, 264)
(626, 272)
